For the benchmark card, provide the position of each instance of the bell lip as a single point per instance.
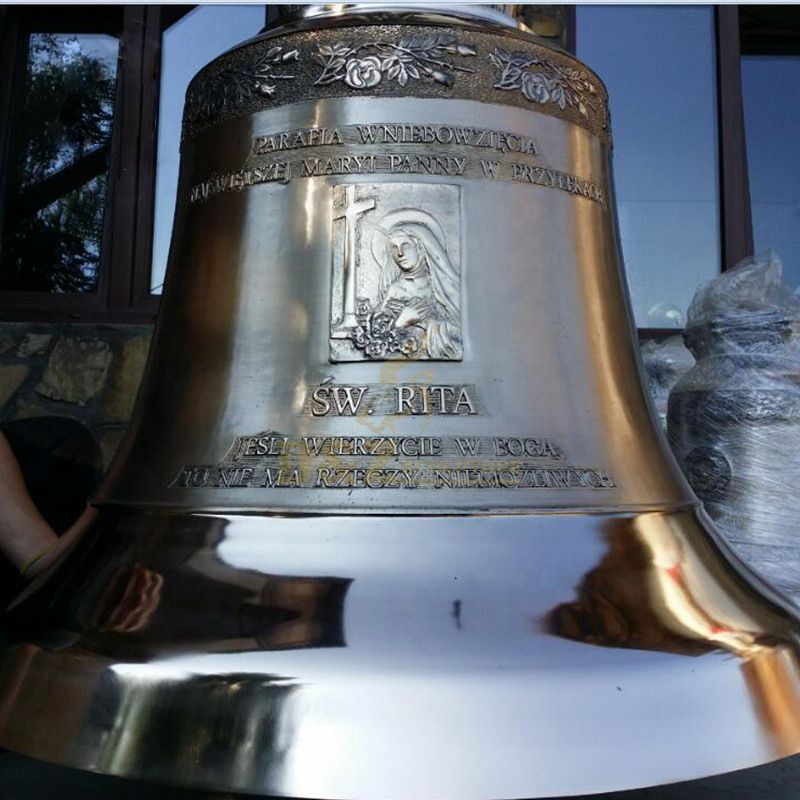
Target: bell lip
(427, 512)
(702, 764)
(146, 782)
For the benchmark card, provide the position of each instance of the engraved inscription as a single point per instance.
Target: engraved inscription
(292, 140)
(338, 165)
(394, 149)
(425, 164)
(396, 273)
(365, 65)
(380, 446)
(337, 400)
(424, 399)
(331, 400)
(543, 81)
(539, 176)
(394, 164)
(395, 133)
(269, 460)
(404, 133)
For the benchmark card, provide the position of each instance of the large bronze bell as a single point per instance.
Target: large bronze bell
(393, 519)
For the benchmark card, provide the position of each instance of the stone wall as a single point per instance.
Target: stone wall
(88, 372)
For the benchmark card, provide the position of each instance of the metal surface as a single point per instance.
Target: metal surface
(251, 317)
(495, 656)
(393, 518)
(486, 14)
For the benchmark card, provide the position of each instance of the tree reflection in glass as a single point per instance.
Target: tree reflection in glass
(57, 169)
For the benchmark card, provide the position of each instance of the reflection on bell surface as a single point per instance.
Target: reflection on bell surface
(393, 518)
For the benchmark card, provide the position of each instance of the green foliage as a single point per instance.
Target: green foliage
(66, 112)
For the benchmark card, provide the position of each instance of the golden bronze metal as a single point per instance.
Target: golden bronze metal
(393, 518)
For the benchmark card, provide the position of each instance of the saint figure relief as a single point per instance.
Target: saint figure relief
(419, 290)
(416, 313)
(396, 291)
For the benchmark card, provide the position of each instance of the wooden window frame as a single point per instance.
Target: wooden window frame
(735, 216)
(123, 290)
(114, 299)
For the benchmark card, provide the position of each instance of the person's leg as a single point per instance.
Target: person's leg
(48, 468)
(24, 534)
(61, 464)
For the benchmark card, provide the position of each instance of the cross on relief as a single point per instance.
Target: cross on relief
(353, 208)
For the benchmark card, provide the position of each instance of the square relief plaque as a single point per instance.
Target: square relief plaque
(396, 272)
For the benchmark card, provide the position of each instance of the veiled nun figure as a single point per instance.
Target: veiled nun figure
(420, 288)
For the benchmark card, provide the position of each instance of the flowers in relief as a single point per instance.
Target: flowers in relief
(542, 81)
(377, 335)
(536, 87)
(411, 58)
(361, 73)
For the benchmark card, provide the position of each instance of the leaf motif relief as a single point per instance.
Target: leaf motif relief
(224, 90)
(410, 58)
(544, 82)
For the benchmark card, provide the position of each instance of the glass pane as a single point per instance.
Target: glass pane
(772, 130)
(187, 46)
(58, 164)
(658, 63)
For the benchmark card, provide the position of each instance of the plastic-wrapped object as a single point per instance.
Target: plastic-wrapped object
(734, 418)
(664, 364)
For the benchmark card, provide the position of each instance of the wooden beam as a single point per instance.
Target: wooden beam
(42, 194)
(735, 218)
(119, 242)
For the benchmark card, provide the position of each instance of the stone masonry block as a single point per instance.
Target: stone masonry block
(124, 378)
(34, 344)
(12, 376)
(76, 371)
(7, 342)
(27, 408)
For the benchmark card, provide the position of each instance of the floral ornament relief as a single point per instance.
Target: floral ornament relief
(415, 57)
(232, 86)
(377, 335)
(542, 81)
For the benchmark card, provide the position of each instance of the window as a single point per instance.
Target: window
(772, 128)
(59, 101)
(662, 92)
(770, 42)
(91, 100)
(80, 135)
(58, 164)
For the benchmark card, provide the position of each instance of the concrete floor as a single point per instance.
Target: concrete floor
(25, 779)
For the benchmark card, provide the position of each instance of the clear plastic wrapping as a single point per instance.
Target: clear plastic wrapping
(664, 364)
(734, 418)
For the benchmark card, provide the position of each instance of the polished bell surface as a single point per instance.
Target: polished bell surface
(393, 519)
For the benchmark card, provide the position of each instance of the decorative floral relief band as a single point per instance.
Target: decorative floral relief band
(396, 61)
